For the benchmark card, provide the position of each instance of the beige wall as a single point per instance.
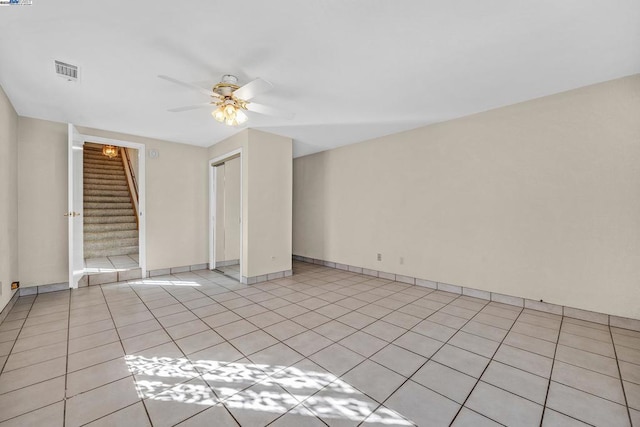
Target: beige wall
(176, 205)
(266, 199)
(270, 168)
(8, 198)
(538, 200)
(42, 186)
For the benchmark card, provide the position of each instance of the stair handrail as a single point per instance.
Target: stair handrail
(131, 180)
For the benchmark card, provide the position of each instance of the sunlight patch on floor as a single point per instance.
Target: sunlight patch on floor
(257, 387)
(163, 282)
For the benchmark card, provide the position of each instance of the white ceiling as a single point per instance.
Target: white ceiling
(350, 70)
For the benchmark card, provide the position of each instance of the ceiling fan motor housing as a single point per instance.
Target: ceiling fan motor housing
(227, 85)
(228, 78)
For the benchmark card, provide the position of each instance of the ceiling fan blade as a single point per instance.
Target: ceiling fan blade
(192, 107)
(252, 89)
(269, 111)
(190, 86)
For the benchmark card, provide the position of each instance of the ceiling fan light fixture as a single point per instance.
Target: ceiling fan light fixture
(241, 117)
(230, 111)
(218, 114)
(230, 114)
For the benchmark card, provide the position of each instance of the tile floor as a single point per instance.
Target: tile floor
(324, 347)
(232, 271)
(110, 264)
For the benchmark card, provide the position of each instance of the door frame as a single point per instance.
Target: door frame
(213, 205)
(142, 225)
(74, 212)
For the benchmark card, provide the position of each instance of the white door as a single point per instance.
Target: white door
(214, 214)
(74, 214)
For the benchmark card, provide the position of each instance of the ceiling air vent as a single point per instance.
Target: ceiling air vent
(67, 71)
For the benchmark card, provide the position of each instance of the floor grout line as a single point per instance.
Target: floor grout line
(123, 351)
(485, 369)
(624, 393)
(15, 340)
(181, 351)
(553, 362)
(430, 357)
(336, 342)
(66, 371)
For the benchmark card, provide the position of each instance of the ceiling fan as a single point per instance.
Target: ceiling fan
(232, 100)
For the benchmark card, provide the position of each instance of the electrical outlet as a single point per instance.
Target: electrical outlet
(15, 285)
(401, 260)
(379, 257)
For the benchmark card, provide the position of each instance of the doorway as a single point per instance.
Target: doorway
(107, 230)
(226, 218)
(110, 207)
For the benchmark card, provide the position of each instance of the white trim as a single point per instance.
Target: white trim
(142, 225)
(212, 206)
(213, 177)
(75, 252)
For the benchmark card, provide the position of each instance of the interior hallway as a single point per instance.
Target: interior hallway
(322, 347)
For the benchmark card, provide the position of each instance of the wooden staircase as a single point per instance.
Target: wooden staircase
(110, 226)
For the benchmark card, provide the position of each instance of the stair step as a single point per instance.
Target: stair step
(107, 227)
(105, 176)
(108, 235)
(90, 163)
(94, 164)
(99, 198)
(102, 168)
(112, 183)
(100, 185)
(99, 253)
(110, 219)
(107, 193)
(121, 181)
(110, 170)
(107, 212)
(97, 155)
(107, 205)
(102, 160)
